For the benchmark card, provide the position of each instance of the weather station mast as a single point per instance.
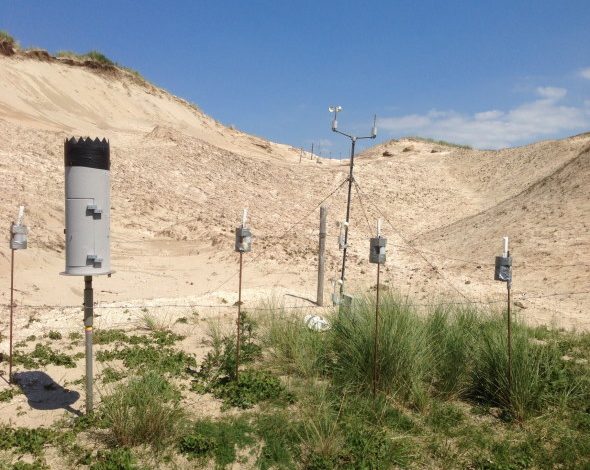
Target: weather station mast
(353, 139)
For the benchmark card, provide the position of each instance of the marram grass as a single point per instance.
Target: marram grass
(456, 352)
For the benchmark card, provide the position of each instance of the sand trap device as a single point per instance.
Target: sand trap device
(87, 203)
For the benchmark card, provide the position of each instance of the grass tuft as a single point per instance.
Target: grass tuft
(145, 411)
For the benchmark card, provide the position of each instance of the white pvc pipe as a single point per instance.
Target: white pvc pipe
(378, 228)
(21, 215)
(505, 246)
(244, 216)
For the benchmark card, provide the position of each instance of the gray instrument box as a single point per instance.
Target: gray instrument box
(87, 204)
(243, 240)
(18, 236)
(503, 271)
(377, 254)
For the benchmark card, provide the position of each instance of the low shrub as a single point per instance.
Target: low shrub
(252, 387)
(152, 357)
(114, 459)
(217, 439)
(9, 393)
(43, 355)
(54, 335)
(26, 440)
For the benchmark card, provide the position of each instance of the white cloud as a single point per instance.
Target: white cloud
(543, 117)
(585, 73)
(487, 115)
(551, 93)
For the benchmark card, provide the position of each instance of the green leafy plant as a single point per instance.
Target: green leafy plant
(9, 393)
(43, 355)
(150, 357)
(218, 439)
(115, 459)
(26, 440)
(54, 335)
(252, 387)
(110, 375)
(75, 336)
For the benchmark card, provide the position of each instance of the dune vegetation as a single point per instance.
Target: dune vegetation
(304, 399)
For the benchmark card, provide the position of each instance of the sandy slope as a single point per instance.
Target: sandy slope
(180, 179)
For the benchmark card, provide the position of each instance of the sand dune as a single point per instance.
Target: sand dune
(180, 180)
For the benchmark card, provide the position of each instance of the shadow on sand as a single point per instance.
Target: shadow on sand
(302, 298)
(43, 393)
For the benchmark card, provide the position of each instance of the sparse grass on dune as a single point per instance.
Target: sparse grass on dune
(5, 36)
(144, 411)
(100, 58)
(94, 55)
(438, 142)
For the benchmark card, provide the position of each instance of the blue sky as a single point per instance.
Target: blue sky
(486, 73)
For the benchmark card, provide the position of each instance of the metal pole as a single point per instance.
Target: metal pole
(88, 324)
(321, 255)
(11, 314)
(509, 285)
(300, 154)
(311, 156)
(350, 181)
(375, 345)
(239, 317)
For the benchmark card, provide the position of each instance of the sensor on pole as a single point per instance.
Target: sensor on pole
(87, 203)
(243, 245)
(503, 272)
(18, 241)
(377, 256)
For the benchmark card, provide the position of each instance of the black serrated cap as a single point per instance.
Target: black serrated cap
(87, 152)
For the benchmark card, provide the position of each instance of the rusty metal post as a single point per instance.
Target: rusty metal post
(88, 333)
(322, 256)
(239, 318)
(376, 341)
(509, 286)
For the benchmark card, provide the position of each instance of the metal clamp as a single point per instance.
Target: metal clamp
(91, 209)
(95, 260)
